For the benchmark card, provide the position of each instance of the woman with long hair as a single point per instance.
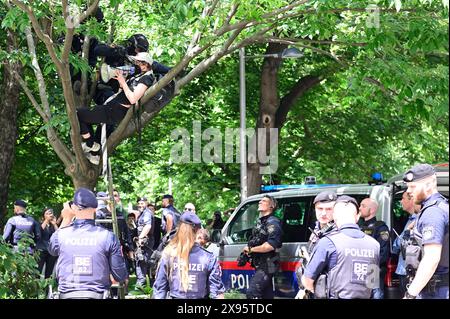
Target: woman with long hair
(48, 227)
(186, 270)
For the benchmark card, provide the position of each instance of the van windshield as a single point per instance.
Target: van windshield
(295, 213)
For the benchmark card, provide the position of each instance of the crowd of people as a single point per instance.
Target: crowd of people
(346, 255)
(141, 235)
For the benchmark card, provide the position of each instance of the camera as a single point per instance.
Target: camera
(243, 259)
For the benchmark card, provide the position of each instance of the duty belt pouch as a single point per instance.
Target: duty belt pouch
(272, 264)
(320, 287)
(413, 254)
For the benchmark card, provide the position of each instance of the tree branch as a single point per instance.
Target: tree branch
(60, 148)
(207, 11)
(89, 11)
(30, 96)
(386, 91)
(43, 36)
(290, 41)
(227, 28)
(357, 44)
(38, 73)
(84, 75)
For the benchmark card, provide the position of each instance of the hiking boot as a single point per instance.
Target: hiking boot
(94, 159)
(94, 148)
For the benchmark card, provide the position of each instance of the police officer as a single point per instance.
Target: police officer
(170, 215)
(430, 236)
(344, 263)
(145, 241)
(412, 209)
(323, 205)
(380, 231)
(21, 224)
(88, 254)
(265, 239)
(186, 270)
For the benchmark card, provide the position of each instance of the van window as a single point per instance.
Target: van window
(241, 227)
(296, 218)
(295, 214)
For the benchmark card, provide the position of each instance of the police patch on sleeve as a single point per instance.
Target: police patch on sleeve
(270, 229)
(428, 232)
(384, 235)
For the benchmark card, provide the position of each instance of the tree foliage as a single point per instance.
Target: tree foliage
(382, 103)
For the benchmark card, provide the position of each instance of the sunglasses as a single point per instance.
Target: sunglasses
(189, 209)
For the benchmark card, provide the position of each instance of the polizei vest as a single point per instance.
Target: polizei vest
(356, 268)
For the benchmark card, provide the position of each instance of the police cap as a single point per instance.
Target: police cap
(141, 199)
(168, 196)
(325, 197)
(418, 172)
(191, 219)
(21, 203)
(102, 195)
(84, 198)
(347, 199)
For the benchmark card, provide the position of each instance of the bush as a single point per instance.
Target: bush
(19, 275)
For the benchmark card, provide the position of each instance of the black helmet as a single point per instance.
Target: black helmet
(138, 41)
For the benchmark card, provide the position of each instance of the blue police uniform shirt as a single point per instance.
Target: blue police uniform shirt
(204, 277)
(17, 225)
(324, 256)
(432, 224)
(88, 254)
(380, 232)
(170, 210)
(397, 245)
(145, 218)
(274, 230)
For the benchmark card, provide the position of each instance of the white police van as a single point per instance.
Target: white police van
(296, 211)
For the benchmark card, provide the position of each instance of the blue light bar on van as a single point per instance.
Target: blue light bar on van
(274, 188)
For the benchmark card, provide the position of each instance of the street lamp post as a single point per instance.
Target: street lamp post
(285, 54)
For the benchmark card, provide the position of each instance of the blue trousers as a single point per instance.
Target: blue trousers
(141, 270)
(260, 286)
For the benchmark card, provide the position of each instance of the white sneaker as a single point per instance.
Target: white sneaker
(94, 159)
(94, 148)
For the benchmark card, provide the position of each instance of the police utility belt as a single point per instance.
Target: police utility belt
(84, 295)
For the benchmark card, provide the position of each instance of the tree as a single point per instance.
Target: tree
(373, 56)
(9, 100)
(218, 29)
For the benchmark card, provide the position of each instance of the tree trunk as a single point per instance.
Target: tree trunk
(9, 102)
(273, 112)
(79, 179)
(268, 106)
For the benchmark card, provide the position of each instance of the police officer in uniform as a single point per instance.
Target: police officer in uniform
(265, 239)
(347, 258)
(186, 270)
(380, 231)
(88, 254)
(430, 236)
(323, 205)
(170, 215)
(21, 224)
(145, 241)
